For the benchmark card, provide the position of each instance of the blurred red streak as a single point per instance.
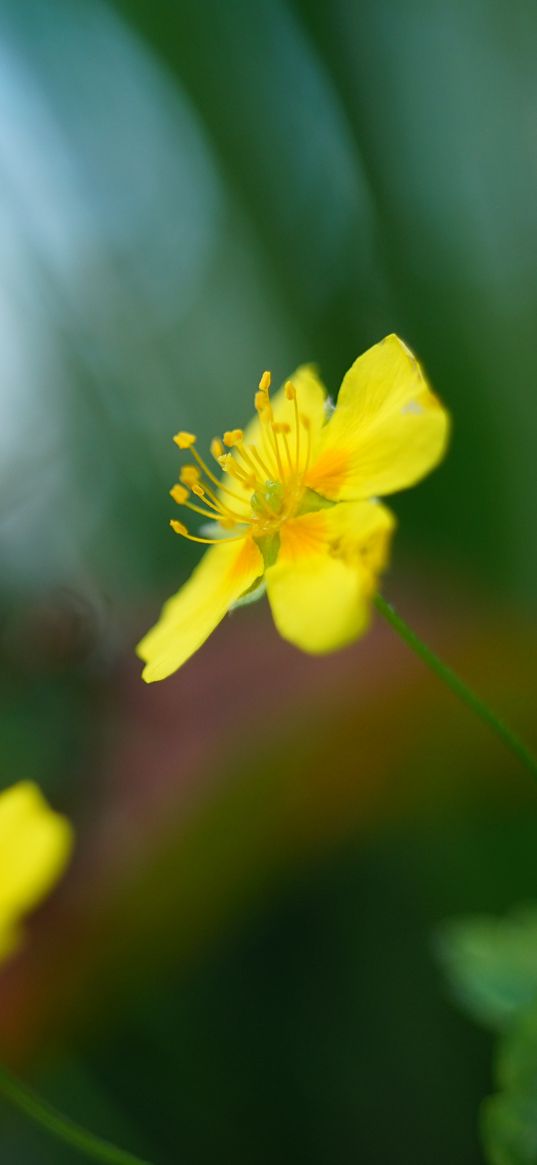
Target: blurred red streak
(325, 743)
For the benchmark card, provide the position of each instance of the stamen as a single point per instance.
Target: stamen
(205, 468)
(217, 506)
(242, 451)
(189, 474)
(179, 494)
(288, 451)
(262, 503)
(229, 465)
(184, 440)
(180, 528)
(307, 425)
(268, 470)
(208, 473)
(255, 454)
(274, 428)
(290, 392)
(268, 448)
(233, 437)
(213, 514)
(249, 481)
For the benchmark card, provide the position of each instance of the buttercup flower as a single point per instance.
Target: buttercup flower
(35, 844)
(296, 511)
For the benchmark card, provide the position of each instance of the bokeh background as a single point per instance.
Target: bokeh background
(240, 963)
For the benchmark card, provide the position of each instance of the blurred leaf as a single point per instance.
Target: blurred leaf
(509, 1129)
(509, 1119)
(492, 964)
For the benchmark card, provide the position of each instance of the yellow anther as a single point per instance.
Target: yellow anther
(233, 437)
(185, 440)
(179, 494)
(290, 390)
(281, 427)
(198, 489)
(265, 382)
(260, 401)
(305, 421)
(225, 461)
(217, 448)
(189, 474)
(178, 527)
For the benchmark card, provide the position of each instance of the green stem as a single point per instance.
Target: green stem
(62, 1127)
(458, 687)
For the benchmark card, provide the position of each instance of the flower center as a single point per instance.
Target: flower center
(269, 499)
(263, 483)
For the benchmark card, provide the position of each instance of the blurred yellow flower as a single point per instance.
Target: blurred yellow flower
(35, 844)
(296, 511)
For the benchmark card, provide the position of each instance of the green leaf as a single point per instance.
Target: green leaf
(517, 1055)
(509, 1129)
(491, 964)
(509, 1119)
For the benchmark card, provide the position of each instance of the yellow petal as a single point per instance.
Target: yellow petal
(35, 844)
(310, 398)
(225, 572)
(388, 429)
(326, 574)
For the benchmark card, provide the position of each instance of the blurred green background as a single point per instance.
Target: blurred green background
(239, 964)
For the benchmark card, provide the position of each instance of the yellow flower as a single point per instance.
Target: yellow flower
(297, 510)
(35, 844)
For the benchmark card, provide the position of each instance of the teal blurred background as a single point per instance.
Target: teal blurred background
(239, 965)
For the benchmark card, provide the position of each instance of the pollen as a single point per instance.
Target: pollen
(189, 475)
(198, 489)
(217, 449)
(185, 440)
(179, 494)
(178, 527)
(290, 390)
(265, 382)
(233, 437)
